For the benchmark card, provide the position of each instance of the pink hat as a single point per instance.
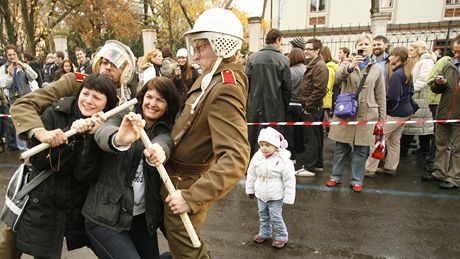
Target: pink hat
(272, 136)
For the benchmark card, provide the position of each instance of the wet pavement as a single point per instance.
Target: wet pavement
(394, 217)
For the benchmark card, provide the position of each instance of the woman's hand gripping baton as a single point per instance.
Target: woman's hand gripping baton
(170, 187)
(39, 148)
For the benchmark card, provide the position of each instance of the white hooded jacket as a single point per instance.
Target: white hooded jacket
(272, 178)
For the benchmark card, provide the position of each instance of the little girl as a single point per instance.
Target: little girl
(271, 178)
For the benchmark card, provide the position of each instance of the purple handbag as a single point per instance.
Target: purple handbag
(346, 104)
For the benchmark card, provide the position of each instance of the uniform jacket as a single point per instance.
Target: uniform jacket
(314, 85)
(54, 207)
(420, 73)
(25, 120)
(371, 105)
(110, 200)
(449, 105)
(269, 85)
(218, 136)
(332, 69)
(272, 178)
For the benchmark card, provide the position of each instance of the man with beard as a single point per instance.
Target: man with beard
(380, 56)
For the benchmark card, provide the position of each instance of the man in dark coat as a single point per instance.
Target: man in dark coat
(269, 85)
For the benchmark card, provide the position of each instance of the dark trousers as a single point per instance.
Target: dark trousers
(7, 128)
(313, 141)
(294, 134)
(429, 160)
(136, 243)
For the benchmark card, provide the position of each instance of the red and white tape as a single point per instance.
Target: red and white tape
(318, 123)
(5, 116)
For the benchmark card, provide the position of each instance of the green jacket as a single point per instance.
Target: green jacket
(449, 104)
(433, 99)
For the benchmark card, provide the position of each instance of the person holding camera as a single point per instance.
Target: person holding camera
(356, 139)
(15, 77)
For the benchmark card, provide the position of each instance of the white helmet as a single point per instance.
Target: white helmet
(223, 30)
(120, 55)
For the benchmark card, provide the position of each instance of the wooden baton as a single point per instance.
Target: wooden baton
(39, 148)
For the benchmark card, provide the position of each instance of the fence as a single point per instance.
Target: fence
(434, 35)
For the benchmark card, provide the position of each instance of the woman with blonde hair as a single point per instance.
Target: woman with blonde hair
(150, 66)
(424, 63)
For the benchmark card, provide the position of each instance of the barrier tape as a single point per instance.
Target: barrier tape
(328, 123)
(318, 123)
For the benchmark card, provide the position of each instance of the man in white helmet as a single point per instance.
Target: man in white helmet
(114, 59)
(212, 150)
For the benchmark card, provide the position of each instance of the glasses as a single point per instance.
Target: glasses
(198, 48)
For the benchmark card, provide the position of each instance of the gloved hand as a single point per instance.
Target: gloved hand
(251, 196)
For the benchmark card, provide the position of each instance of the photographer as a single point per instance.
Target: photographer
(15, 77)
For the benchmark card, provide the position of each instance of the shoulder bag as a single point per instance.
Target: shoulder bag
(17, 194)
(346, 104)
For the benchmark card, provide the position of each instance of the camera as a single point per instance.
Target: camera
(15, 63)
(360, 52)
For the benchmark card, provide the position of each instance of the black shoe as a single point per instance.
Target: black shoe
(420, 152)
(429, 168)
(13, 148)
(430, 178)
(447, 185)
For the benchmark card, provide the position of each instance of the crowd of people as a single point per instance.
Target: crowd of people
(195, 107)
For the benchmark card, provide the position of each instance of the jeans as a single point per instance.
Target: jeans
(135, 243)
(271, 212)
(358, 162)
(313, 142)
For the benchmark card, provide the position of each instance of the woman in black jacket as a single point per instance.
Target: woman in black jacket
(123, 209)
(54, 208)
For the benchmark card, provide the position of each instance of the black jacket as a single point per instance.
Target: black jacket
(110, 201)
(54, 207)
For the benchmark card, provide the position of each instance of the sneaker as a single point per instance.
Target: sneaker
(279, 243)
(331, 182)
(319, 169)
(356, 188)
(370, 174)
(386, 171)
(303, 172)
(259, 239)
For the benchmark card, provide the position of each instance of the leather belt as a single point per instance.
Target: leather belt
(186, 168)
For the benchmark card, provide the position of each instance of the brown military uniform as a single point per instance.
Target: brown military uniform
(211, 157)
(25, 119)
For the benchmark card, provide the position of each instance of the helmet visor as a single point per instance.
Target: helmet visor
(115, 54)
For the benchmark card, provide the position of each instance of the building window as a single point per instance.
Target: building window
(317, 6)
(386, 3)
(452, 2)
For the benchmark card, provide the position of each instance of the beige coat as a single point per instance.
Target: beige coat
(372, 105)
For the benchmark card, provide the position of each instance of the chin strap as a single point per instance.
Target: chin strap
(205, 83)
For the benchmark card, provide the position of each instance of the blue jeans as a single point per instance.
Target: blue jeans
(271, 212)
(136, 243)
(358, 162)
